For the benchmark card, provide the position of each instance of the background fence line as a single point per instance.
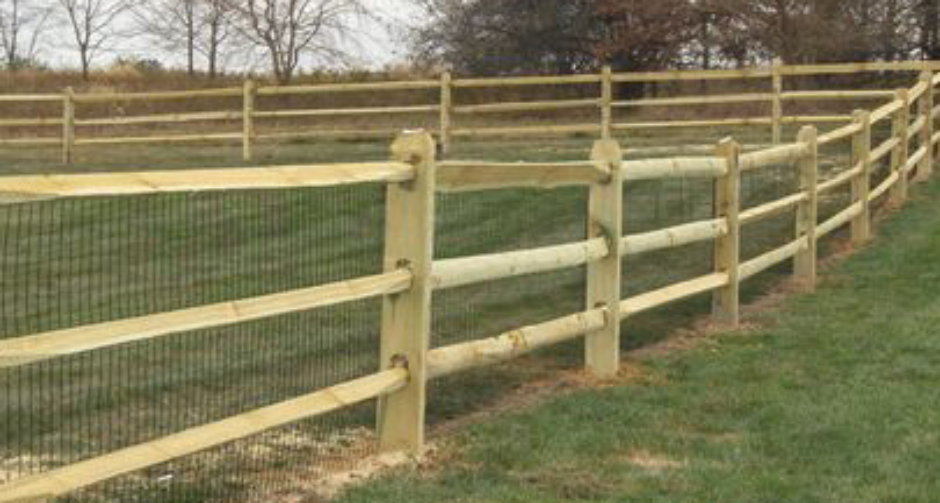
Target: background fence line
(413, 177)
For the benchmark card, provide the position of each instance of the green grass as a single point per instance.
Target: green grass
(832, 397)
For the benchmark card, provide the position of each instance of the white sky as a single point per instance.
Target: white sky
(378, 47)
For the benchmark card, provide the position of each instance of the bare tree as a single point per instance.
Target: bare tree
(92, 26)
(198, 27)
(287, 31)
(22, 24)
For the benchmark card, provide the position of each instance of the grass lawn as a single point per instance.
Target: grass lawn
(832, 397)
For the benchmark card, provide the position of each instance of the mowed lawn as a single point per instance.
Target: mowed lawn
(833, 396)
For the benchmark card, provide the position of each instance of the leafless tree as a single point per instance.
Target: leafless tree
(92, 26)
(198, 27)
(22, 24)
(288, 31)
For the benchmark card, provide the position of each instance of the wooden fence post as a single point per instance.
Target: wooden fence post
(925, 170)
(248, 119)
(406, 317)
(725, 303)
(68, 126)
(605, 213)
(899, 157)
(777, 113)
(861, 185)
(447, 106)
(607, 100)
(807, 214)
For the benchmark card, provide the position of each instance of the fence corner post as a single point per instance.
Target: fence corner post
(901, 154)
(68, 126)
(607, 103)
(447, 108)
(725, 302)
(605, 214)
(807, 214)
(248, 119)
(925, 170)
(777, 112)
(861, 185)
(406, 317)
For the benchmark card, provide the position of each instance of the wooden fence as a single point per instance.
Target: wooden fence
(413, 177)
(448, 111)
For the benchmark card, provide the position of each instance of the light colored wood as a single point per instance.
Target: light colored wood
(40, 187)
(839, 134)
(889, 110)
(917, 91)
(901, 154)
(414, 85)
(463, 176)
(848, 68)
(61, 481)
(840, 179)
(563, 130)
(695, 100)
(248, 119)
(861, 185)
(129, 140)
(675, 167)
(350, 134)
(843, 217)
(916, 158)
(916, 129)
(526, 81)
(686, 75)
(607, 100)
(233, 92)
(814, 119)
(351, 112)
(30, 142)
(863, 94)
(25, 98)
(162, 119)
(527, 106)
(784, 154)
(773, 208)
(807, 213)
(605, 221)
(777, 103)
(760, 264)
(68, 126)
(925, 170)
(673, 237)
(46, 121)
(673, 293)
(632, 126)
(446, 111)
(884, 187)
(406, 317)
(725, 303)
(460, 357)
(882, 151)
(34, 348)
(457, 272)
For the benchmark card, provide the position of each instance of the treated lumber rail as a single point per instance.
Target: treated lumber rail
(38, 187)
(673, 237)
(464, 271)
(760, 264)
(276, 114)
(884, 186)
(773, 208)
(524, 81)
(886, 111)
(334, 133)
(750, 121)
(14, 98)
(785, 154)
(814, 119)
(887, 147)
(25, 142)
(461, 176)
(685, 75)
(840, 219)
(839, 134)
(840, 179)
(414, 85)
(469, 355)
(526, 106)
(916, 128)
(47, 121)
(161, 119)
(675, 167)
(695, 100)
(670, 294)
(915, 159)
(61, 481)
(526, 130)
(34, 348)
(159, 139)
(232, 92)
(837, 95)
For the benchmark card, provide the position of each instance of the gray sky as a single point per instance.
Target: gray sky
(377, 47)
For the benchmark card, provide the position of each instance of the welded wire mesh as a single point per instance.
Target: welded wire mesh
(76, 262)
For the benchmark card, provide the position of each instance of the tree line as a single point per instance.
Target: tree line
(477, 37)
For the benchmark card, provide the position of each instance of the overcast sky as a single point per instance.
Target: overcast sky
(380, 44)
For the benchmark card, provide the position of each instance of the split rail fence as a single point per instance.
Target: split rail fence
(413, 177)
(449, 109)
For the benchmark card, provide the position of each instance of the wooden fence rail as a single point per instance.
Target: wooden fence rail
(413, 177)
(252, 113)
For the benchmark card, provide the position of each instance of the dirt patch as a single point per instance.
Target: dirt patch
(654, 462)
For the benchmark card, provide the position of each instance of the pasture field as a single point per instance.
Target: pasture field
(67, 263)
